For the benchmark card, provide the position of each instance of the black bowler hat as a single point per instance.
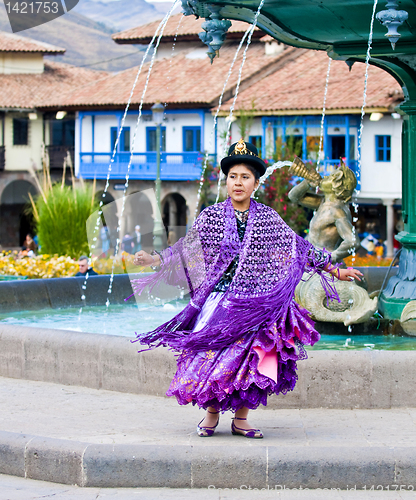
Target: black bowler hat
(243, 152)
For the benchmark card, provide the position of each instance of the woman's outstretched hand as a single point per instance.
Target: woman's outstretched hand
(142, 258)
(348, 274)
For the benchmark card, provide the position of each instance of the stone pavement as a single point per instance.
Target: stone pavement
(98, 438)
(16, 488)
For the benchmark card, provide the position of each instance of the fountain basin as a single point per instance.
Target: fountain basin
(58, 293)
(49, 302)
(127, 320)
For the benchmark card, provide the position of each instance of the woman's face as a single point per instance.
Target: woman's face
(241, 182)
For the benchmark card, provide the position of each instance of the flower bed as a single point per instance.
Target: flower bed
(54, 266)
(367, 261)
(41, 266)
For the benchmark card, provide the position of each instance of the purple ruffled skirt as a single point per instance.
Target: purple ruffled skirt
(246, 372)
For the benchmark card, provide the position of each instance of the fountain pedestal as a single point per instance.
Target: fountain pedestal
(402, 288)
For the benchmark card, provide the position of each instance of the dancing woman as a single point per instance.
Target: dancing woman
(241, 334)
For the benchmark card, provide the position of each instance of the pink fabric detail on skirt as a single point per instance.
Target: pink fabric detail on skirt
(267, 363)
(245, 373)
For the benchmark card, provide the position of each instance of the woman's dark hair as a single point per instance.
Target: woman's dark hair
(252, 170)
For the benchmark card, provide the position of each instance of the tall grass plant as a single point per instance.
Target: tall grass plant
(61, 212)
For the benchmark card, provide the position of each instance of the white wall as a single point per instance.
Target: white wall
(255, 129)
(209, 140)
(12, 62)
(86, 139)
(77, 145)
(174, 133)
(20, 157)
(381, 180)
(165, 49)
(102, 137)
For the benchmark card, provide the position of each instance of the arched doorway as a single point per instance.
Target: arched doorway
(109, 221)
(139, 212)
(174, 212)
(15, 223)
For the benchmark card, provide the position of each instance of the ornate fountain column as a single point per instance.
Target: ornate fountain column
(402, 287)
(388, 203)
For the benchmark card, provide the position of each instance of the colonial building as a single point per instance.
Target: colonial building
(26, 80)
(189, 87)
(289, 103)
(281, 96)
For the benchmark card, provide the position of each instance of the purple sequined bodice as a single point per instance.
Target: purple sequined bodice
(227, 277)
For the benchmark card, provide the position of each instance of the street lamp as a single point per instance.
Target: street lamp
(157, 114)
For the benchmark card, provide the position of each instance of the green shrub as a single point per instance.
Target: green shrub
(61, 213)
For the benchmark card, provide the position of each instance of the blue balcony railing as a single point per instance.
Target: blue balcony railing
(328, 166)
(173, 166)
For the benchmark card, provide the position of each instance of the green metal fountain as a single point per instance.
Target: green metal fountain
(341, 28)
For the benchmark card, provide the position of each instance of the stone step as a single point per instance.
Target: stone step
(99, 438)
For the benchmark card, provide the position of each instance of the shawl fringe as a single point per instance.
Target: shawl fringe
(272, 261)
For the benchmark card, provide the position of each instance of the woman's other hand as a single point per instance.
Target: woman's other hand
(349, 274)
(142, 258)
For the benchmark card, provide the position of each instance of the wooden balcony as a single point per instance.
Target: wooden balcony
(57, 154)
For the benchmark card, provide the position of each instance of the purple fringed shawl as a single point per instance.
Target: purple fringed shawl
(272, 259)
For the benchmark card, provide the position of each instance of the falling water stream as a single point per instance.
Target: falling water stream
(172, 54)
(269, 171)
(321, 135)
(248, 35)
(214, 126)
(360, 131)
(107, 184)
(367, 65)
(158, 34)
(160, 29)
(240, 73)
(133, 143)
(237, 88)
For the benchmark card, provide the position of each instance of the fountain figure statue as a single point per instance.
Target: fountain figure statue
(331, 228)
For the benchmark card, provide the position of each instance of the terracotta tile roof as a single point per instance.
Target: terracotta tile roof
(15, 43)
(189, 28)
(27, 91)
(185, 80)
(300, 84)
